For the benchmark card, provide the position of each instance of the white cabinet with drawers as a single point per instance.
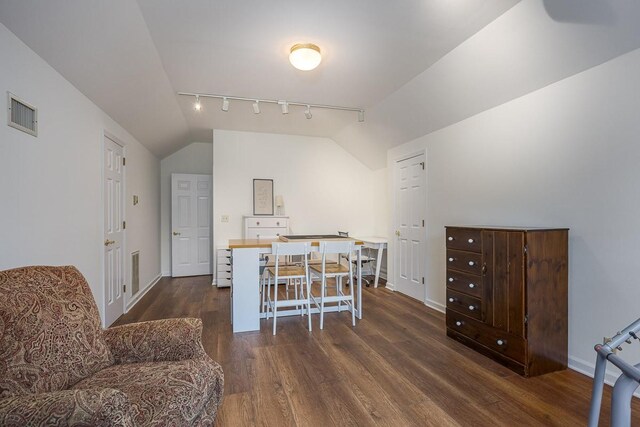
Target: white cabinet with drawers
(265, 227)
(223, 268)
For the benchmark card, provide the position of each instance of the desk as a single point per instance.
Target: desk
(245, 282)
(378, 243)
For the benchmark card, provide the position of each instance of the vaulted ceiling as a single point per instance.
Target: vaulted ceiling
(131, 58)
(414, 65)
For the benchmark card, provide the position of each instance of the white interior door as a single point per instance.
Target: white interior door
(190, 224)
(410, 234)
(114, 271)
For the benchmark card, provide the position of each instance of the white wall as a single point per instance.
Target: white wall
(196, 158)
(324, 188)
(566, 155)
(51, 187)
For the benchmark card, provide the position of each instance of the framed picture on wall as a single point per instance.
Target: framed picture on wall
(263, 197)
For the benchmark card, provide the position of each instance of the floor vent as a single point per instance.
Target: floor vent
(22, 116)
(135, 273)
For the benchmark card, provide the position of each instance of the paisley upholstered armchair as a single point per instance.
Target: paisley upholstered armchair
(58, 367)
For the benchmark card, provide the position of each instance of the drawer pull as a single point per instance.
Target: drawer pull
(471, 285)
(451, 279)
(472, 307)
(277, 223)
(258, 223)
(451, 259)
(458, 323)
(471, 263)
(452, 299)
(470, 240)
(500, 342)
(450, 239)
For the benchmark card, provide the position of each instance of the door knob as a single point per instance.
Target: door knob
(175, 233)
(109, 242)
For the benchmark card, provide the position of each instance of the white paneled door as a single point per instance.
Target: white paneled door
(190, 224)
(410, 232)
(114, 271)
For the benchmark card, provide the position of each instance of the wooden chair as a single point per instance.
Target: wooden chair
(295, 273)
(336, 271)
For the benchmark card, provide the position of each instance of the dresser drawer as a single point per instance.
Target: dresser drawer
(464, 304)
(469, 262)
(265, 233)
(266, 222)
(466, 239)
(499, 341)
(223, 282)
(464, 282)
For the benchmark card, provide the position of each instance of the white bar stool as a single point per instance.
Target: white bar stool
(293, 273)
(337, 271)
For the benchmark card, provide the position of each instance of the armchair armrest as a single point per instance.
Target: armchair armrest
(155, 341)
(91, 407)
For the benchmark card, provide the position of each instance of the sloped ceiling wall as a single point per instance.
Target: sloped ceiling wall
(530, 46)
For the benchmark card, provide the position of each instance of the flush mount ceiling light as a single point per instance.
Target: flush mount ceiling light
(305, 56)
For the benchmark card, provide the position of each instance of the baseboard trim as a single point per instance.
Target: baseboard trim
(142, 293)
(588, 369)
(166, 273)
(390, 286)
(435, 305)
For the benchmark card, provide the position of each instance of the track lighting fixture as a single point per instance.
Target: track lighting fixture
(284, 105)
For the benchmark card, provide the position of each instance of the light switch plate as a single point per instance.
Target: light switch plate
(224, 218)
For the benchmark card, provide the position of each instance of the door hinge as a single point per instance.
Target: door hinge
(423, 280)
(124, 161)
(124, 225)
(124, 288)
(423, 222)
(422, 164)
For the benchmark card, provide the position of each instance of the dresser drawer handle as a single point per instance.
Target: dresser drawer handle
(452, 300)
(450, 239)
(471, 263)
(470, 240)
(458, 323)
(277, 223)
(471, 285)
(451, 259)
(501, 342)
(472, 307)
(258, 223)
(450, 279)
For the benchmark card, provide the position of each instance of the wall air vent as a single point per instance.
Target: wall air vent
(135, 272)
(22, 116)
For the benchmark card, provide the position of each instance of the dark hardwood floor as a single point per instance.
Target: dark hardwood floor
(395, 368)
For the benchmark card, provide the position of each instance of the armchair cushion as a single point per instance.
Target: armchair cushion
(154, 341)
(50, 332)
(178, 393)
(91, 407)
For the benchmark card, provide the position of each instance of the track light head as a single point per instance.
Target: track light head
(361, 116)
(307, 112)
(225, 104)
(197, 106)
(284, 105)
(256, 107)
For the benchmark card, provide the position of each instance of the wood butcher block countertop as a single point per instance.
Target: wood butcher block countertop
(266, 243)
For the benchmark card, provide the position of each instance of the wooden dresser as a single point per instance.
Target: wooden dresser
(507, 295)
